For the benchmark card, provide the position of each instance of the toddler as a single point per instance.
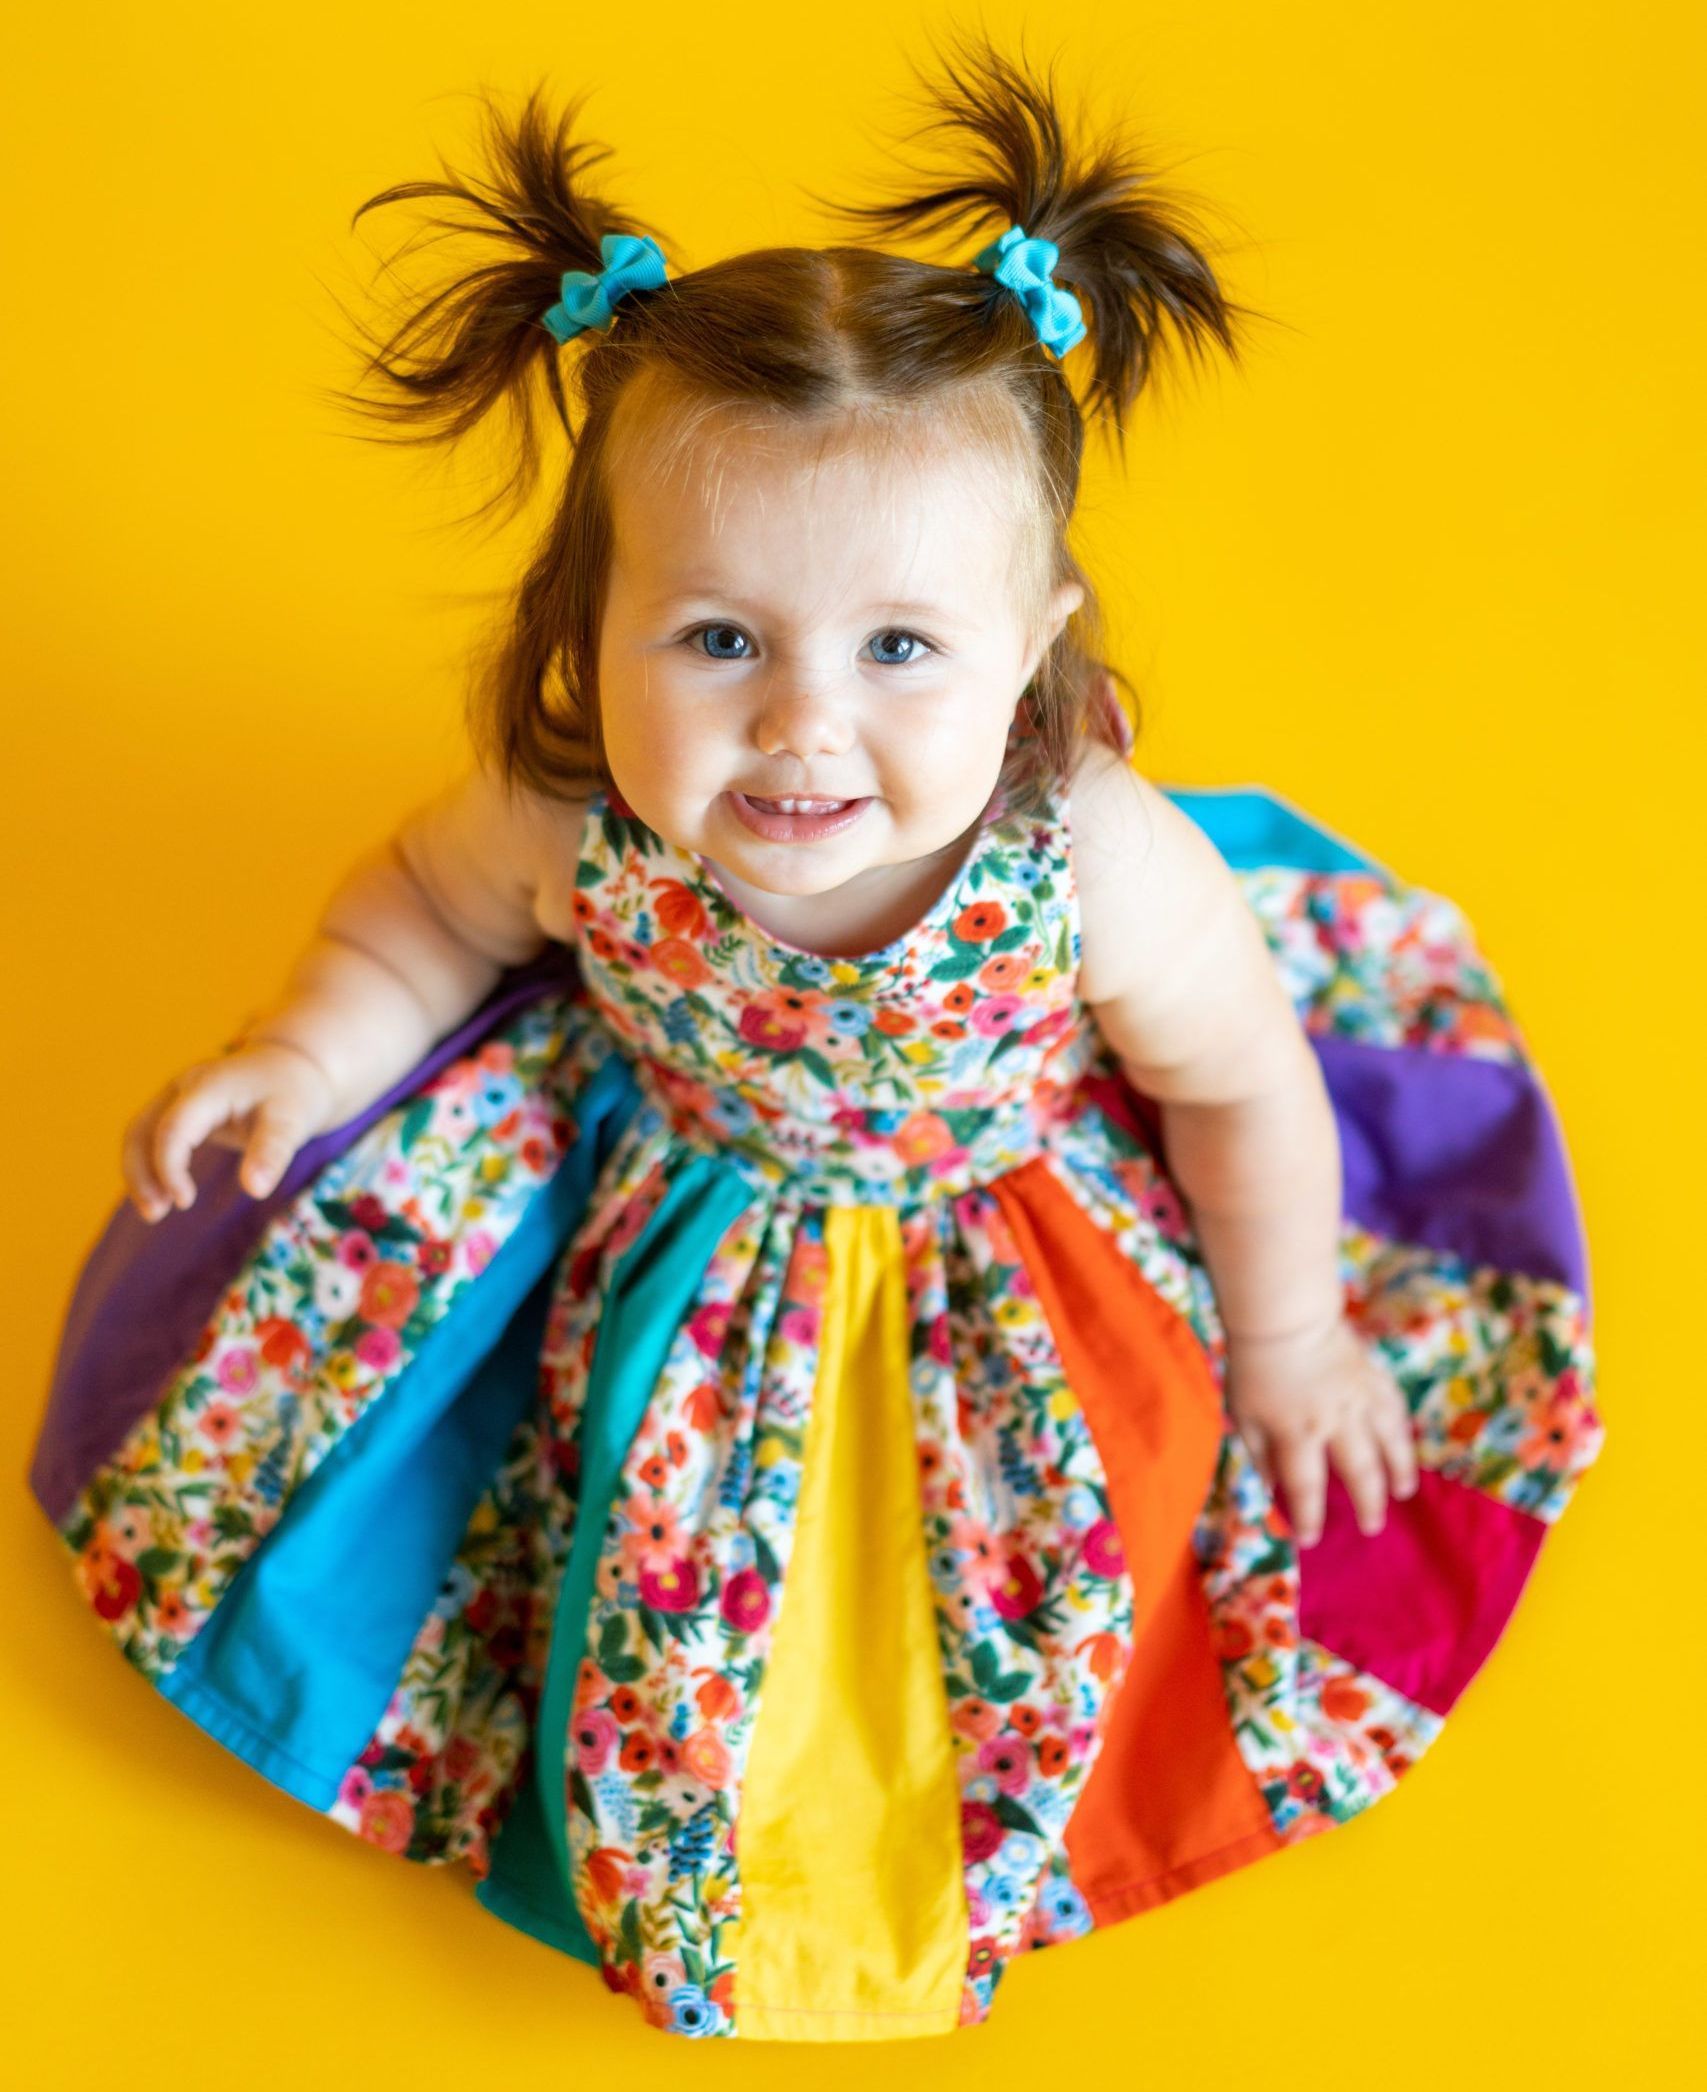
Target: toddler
(826, 1332)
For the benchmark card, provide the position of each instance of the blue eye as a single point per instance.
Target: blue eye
(921, 646)
(735, 629)
(912, 639)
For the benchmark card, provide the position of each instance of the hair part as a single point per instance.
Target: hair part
(854, 345)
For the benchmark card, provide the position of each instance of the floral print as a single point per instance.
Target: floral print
(908, 1073)
(913, 1077)
(1365, 957)
(338, 1297)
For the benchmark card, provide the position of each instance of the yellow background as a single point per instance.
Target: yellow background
(1429, 565)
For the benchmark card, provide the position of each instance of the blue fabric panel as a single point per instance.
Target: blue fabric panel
(651, 1292)
(1253, 828)
(295, 1667)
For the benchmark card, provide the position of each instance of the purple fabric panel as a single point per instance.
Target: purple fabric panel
(1421, 1603)
(1446, 1150)
(1455, 1152)
(145, 1292)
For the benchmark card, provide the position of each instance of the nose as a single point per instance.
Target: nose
(799, 720)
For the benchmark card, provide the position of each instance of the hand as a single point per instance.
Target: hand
(264, 1098)
(1295, 1397)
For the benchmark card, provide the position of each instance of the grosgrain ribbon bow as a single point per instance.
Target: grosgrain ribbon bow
(632, 263)
(1023, 265)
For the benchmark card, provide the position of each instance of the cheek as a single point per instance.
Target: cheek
(939, 752)
(637, 709)
(667, 751)
(654, 691)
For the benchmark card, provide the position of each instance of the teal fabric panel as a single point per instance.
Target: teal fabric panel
(524, 1887)
(651, 1292)
(295, 1667)
(1253, 828)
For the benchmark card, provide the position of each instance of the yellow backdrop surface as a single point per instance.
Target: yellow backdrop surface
(1429, 564)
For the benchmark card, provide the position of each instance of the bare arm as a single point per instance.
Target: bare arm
(414, 938)
(1178, 975)
(1183, 988)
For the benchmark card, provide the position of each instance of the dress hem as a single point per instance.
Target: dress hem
(1108, 1906)
(755, 2022)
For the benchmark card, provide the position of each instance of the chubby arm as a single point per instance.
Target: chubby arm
(1182, 986)
(415, 936)
(1178, 975)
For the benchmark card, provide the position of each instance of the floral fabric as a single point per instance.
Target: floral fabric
(914, 1077)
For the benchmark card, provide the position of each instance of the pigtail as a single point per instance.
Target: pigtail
(480, 341)
(803, 335)
(1132, 256)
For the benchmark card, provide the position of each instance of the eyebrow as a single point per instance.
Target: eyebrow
(696, 592)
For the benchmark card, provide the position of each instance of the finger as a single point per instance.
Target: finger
(276, 1138)
(1302, 1464)
(138, 1169)
(1391, 1422)
(182, 1127)
(170, 1147)
(1357, 1456)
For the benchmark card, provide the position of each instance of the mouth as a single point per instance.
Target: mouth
(796, 820)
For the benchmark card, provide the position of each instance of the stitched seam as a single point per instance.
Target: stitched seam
(546, 1917)
(835, 2011)
(1168, 1873)
(197, 1691)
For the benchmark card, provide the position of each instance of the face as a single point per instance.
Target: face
(841, 626)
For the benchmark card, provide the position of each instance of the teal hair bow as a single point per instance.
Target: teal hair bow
(632, 263)
(1023, 265)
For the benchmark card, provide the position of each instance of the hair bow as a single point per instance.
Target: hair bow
(1023, 265)
(632, 263)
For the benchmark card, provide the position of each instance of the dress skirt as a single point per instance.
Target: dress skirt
(797, 1595)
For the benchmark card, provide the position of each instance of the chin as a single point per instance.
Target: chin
(780, 869)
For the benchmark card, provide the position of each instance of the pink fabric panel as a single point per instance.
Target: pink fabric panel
(1421, 1603)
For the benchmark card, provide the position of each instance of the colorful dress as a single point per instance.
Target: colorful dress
(732, 1447)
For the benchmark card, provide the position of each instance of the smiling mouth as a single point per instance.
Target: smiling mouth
(796, 806)
(795, 818)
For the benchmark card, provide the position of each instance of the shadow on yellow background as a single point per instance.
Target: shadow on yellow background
(1423, 566)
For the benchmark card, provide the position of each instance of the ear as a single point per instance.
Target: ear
(1062, 604)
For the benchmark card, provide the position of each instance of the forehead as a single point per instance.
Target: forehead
(892, 505)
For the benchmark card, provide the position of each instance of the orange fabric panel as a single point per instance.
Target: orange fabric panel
(1169, 1802)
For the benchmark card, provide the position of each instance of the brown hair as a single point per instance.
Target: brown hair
(848, 341)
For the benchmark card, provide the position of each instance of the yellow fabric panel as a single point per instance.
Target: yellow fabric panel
(853, 1916)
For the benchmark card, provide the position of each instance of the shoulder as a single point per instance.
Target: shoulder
(1174, 964)
(497, 860)
(1147, 876)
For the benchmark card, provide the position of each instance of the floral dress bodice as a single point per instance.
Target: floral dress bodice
(939, 1061)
